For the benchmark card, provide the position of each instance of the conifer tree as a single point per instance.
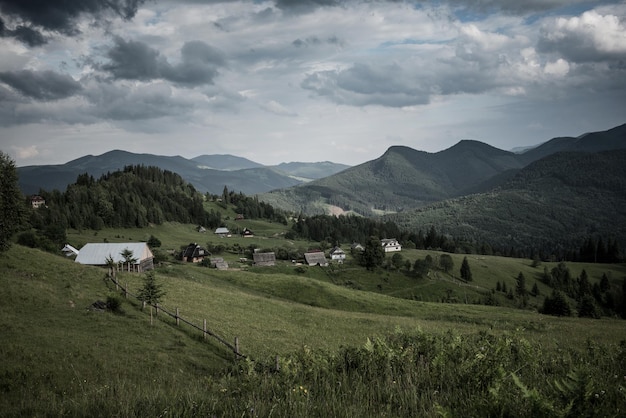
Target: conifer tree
(466, 273)
(11, 202)
(151, 292)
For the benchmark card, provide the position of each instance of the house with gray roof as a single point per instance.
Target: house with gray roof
(264, 259)
(222, 232)
(96, 254)
(315, 258)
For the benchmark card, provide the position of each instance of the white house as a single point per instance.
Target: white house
(391, 245)
(337, 254)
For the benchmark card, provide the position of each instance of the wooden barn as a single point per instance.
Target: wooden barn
(264, 259)
(315, 258)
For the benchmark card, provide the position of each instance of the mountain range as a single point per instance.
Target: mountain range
(561, 191)
(207, 173)
(404, 179)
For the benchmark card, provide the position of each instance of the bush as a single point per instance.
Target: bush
(114, 304)
(27, 239)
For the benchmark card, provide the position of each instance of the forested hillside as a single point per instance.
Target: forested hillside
(549, 207)
(134, 197)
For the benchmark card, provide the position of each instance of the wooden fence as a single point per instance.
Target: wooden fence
(205, 331)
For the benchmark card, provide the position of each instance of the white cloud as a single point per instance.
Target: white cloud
(558, 68)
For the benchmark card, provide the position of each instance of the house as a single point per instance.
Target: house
(337, 254)
(246, 233)
(219, 263)
(391, 245)
(201, 229)
(69, 251)
(37, 201)
(97, 254)
(315, 258)
(194, 253)
(357, 247)
(239, 217)
(223, 232)
(264, 259)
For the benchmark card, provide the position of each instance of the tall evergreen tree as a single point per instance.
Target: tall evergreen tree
(466, 273)
(12, 207)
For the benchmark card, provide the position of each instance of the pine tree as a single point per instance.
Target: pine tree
(151, 292)
(520, 288)
(11, 201)
(466, 273)
(535, 290)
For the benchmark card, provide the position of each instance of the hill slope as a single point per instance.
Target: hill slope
(560, 199)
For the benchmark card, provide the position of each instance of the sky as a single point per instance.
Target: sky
(304, 80)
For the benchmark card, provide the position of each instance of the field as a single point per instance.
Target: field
(346, 342)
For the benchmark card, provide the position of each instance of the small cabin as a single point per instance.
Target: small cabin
(194, 253)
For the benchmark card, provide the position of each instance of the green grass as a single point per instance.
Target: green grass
(59, 358)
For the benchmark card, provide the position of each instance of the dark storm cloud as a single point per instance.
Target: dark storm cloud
(44, 85)
(363, 84)
(32, 16)
(303, 6)
(23, 34)
(133, 60)
(199, 64)
(515, 6)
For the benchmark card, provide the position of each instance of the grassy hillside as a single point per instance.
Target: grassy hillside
(59, 358)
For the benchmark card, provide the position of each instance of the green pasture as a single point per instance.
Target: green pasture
(59, 358)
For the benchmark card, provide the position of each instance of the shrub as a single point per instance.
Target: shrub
(114, 304)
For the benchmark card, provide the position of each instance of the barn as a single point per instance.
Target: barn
(96, 254)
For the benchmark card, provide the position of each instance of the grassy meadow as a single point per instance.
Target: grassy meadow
(347, 342)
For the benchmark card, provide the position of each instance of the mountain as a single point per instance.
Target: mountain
(310, 171)
(224, 162)
(563, 198)
(236, 173)
(614, 138)
(404, 178)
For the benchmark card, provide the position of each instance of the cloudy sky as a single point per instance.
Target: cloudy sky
(303, 80)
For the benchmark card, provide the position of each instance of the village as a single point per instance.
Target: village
(138, 256)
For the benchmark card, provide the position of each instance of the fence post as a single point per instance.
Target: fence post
(236, 346)
(277, 364)
(177, 318)
(156, 308)
(204, 329)
(126, 291)
(143, 305)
